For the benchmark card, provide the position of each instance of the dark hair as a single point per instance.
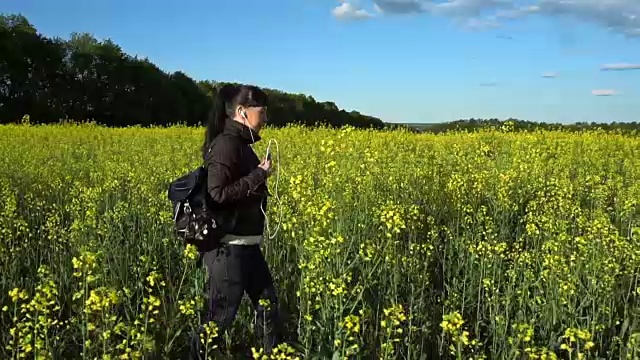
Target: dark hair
(225, 101)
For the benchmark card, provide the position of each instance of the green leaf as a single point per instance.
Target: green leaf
(336, 355)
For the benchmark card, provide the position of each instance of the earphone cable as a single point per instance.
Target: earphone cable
(276, 195)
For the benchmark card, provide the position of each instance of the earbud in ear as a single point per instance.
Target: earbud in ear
(243, 113)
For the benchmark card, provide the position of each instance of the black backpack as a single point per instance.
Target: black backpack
(193, 221)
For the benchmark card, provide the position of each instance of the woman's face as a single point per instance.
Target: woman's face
(256, 117)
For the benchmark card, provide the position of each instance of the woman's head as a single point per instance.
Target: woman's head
(246, 104)
(249, 106)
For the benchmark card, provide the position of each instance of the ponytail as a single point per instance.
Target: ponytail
(217, 115)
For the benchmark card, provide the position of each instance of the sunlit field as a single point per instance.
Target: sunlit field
(391, 245)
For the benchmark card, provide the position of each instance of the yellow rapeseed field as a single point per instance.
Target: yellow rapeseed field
(392, 245)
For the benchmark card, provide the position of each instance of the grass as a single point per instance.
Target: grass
(391, 245)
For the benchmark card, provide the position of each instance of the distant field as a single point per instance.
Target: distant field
(418, 126)
(392, 245)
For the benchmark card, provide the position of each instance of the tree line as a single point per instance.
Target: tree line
(511, 124)
(84, 79)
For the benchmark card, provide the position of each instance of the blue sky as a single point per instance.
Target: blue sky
(400, 60)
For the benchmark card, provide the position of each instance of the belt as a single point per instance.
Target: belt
(241, 240)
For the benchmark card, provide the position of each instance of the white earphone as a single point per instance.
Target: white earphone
(269, 234)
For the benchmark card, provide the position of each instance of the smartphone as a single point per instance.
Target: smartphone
(268, 153)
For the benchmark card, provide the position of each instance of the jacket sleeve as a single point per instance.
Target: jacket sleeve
(220, 186)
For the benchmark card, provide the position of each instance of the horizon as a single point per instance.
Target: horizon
(540, 61)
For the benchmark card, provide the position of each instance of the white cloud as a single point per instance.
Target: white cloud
(470, 8)
(621, 16)
(517, 12)
(401, 6)
(347, 10)
(480, 24)
(550, 74)
(620, 67)
(604, 92)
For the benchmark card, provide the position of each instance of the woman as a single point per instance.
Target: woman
(237, 187)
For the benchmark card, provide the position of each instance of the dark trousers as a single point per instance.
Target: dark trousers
(233, 270)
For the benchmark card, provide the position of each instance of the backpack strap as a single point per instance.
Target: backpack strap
(209, 148)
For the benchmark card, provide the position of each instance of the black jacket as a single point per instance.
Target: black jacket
(235, 183)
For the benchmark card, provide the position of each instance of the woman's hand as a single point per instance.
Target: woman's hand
(266, 166)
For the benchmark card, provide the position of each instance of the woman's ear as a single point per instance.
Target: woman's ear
(242, 113)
